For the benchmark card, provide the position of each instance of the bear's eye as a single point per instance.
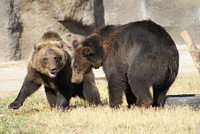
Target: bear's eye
(56, 59)
(45, 60)
(77, 68)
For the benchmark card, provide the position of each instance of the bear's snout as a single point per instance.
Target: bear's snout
(76, 80)
(53, 72)
(53, 69)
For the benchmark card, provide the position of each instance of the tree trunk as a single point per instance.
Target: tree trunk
(194, 51)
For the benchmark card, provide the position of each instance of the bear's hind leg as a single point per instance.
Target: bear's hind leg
(139, 76)
(160, 89)
(159, 94)
(142, 93)
(140, 88)
(130, 97)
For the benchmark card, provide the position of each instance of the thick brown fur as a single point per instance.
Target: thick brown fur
(134, 57)
(50, 65)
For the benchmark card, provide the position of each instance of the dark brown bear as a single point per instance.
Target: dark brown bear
(134, 57)
(50, 65)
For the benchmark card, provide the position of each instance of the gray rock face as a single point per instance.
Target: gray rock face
(10, 30)
(23, 22)
(174, 15)
(71, 19)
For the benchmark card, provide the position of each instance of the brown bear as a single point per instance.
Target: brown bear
(50, 65)
(134, 57)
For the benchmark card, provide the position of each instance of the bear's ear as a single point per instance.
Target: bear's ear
(37, 46)
(59, 44)
(75, 43)
(87, 51)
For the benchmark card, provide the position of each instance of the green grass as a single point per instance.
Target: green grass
(35, 116)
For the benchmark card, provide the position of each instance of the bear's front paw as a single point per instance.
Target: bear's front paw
(14, 105)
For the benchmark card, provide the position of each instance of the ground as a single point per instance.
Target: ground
(12, 73)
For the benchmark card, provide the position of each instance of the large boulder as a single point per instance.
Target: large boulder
(10, 30)
(24, 22)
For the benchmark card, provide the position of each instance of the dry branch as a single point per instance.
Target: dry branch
(194, 51)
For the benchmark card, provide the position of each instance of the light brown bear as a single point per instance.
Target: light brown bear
(50, 65)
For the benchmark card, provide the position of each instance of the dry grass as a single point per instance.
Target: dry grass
(36, 117)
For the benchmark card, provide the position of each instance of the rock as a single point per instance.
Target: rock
(10, 30)
(71, 19)
(24, 22)
(175, 16)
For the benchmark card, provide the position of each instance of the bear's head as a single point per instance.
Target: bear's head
(48, 56)
(86, 55)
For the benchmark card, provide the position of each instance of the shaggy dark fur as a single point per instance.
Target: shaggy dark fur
(50, 65)
(134, 57)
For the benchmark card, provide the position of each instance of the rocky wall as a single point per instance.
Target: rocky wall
(24, 21)
(174, 15)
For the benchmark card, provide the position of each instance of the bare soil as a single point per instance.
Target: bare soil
(12, 73)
